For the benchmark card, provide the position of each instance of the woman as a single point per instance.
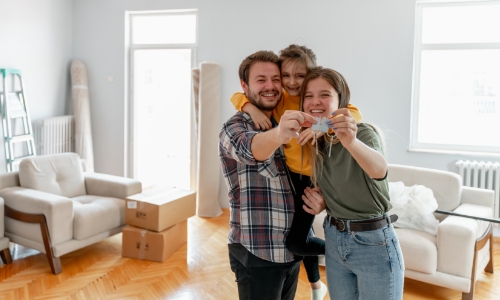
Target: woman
(363, 256)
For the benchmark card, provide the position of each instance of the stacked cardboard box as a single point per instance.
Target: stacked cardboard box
(157, 222)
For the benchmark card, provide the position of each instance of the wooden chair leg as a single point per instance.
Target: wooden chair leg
(489, 266)
(469, 295)
(6, 257)
(54, 262)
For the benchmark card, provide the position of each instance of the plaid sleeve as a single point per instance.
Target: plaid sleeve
(236, 142)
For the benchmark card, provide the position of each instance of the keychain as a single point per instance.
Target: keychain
(321, 125)
(331, 143)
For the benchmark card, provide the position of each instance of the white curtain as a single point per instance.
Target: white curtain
(206, 81)
(81, 110)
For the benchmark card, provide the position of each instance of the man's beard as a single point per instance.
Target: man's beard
(254, 99)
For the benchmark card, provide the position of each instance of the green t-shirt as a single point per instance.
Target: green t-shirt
(349, 192)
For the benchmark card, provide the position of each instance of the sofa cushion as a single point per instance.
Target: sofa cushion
(59, 174)
(96, 214)
(419, 250)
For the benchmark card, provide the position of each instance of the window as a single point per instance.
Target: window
(161, 54)
(164, 29)
(456, 92)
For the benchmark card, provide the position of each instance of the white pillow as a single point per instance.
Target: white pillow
(414, 206)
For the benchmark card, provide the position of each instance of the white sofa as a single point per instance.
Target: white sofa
(52, 206)
(448, 259)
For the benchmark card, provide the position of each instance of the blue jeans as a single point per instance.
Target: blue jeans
(363, 264)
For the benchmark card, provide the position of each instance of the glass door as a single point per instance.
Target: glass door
(161, 116)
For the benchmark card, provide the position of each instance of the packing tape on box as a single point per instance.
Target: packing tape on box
(142, 248)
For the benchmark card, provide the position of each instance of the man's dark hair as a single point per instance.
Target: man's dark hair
(259, 56)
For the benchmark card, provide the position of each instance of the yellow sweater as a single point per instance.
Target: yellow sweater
(293, 152)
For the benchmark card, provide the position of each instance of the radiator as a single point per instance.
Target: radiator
(54, 135)
(485, 175)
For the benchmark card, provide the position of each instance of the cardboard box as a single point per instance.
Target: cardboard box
(150, 245)
(160, 208)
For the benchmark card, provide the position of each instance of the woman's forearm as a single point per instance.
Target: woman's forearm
(371, 161)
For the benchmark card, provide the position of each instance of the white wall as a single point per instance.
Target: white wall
(370, 42)
(36, 37)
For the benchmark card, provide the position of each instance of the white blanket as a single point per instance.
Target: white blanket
(414, 206)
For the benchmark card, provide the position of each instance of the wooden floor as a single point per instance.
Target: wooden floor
(198, 270)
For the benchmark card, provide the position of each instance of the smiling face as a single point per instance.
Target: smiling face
(320, 98)
(292, 76)
(264, 85)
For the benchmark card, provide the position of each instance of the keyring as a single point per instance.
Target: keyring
(331, 143)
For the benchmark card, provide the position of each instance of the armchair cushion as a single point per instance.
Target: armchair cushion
(59, 174)
(96, 214)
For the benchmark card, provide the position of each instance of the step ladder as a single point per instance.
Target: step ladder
(14, 107)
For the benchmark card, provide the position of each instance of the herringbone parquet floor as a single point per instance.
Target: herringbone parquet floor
(198, 270)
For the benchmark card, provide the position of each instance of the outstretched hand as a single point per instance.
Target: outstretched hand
(290, 124)
(345, 126)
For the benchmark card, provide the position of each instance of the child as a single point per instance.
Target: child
(296, 61)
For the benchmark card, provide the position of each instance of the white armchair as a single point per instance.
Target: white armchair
(462, 248)
(4, 241)
(52, 206)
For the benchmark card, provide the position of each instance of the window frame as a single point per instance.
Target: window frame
(130, 48)
(419, 47)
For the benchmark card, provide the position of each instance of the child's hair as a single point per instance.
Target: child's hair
(300, 54)
(338, 82)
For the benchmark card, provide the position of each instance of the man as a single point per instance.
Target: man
(261, 200)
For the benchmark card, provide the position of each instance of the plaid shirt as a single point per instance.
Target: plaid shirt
(260, 196)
